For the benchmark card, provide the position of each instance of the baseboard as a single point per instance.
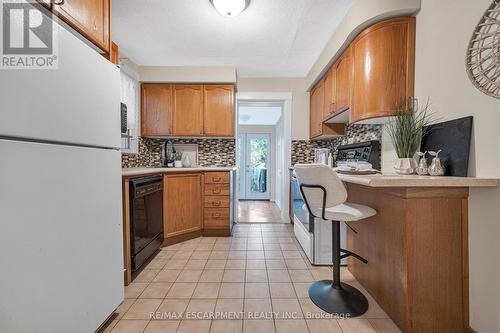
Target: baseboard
(225, 232)
(469, 329)
(181, 238)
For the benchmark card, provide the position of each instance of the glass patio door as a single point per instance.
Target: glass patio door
(254, 151)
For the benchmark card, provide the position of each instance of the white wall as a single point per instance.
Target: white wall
(183, 74)
(443, 31)
(300, 99)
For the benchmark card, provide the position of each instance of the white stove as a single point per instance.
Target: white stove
(313, 234)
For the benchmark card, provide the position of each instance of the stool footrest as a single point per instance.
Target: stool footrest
(348, 253)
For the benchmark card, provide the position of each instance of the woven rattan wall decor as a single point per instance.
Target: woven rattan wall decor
(483, 54)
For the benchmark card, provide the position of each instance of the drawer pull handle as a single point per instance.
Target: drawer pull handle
(216, 203)
(216, 215)
(216, 179)
(216, 191)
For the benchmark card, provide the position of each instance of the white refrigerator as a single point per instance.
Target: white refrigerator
(61, 251)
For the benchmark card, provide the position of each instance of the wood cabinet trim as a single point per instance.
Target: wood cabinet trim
(127, 259)
(114, 54)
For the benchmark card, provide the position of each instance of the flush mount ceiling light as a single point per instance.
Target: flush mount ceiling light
(230, 8)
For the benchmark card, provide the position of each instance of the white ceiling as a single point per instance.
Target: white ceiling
(259, 115)
(272, 38)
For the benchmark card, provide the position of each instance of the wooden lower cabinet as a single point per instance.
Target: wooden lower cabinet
(217, 189)
(417, 252)
(216, 217)
(182, 204)
(197, 203)
(218, 213)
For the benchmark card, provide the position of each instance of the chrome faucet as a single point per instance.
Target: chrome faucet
(168, 154)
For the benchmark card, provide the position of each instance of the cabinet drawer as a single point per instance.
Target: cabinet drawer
(216, 217)
(216, 177)
(217, 189)
(217, 201)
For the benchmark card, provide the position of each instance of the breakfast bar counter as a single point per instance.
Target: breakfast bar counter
(416, 247)
(394, 180)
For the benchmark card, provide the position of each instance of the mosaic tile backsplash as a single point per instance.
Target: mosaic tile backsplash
(222, 152)
(303, 150)
(211, 152)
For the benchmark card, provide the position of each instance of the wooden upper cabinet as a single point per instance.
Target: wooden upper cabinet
(316, 109)
(343, 86)
(218, 111)
(329, 104)
(91, 18)
(156, 109)
(188, 110)
(183, 204)
(383, 68)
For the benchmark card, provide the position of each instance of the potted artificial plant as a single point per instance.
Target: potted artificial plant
(406, 130)
(178, 159)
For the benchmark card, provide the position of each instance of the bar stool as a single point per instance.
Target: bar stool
(325, 197)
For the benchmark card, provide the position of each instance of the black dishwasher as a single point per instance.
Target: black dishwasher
(146, 218)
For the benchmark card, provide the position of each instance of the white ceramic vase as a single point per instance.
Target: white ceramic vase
(405, 166)
(178, 164)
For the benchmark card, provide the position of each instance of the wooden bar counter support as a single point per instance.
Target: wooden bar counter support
(417, 252)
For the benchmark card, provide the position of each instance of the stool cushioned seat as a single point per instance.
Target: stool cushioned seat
(347, 212)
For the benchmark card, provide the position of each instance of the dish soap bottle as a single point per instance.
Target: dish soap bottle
(436, 168)
(330, 160)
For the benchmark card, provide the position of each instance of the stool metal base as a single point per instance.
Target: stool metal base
(346, 300)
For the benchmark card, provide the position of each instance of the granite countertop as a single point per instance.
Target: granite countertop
(395, 180)
(133, 172)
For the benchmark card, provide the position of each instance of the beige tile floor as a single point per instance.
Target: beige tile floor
(255, 211)
(236, 284)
